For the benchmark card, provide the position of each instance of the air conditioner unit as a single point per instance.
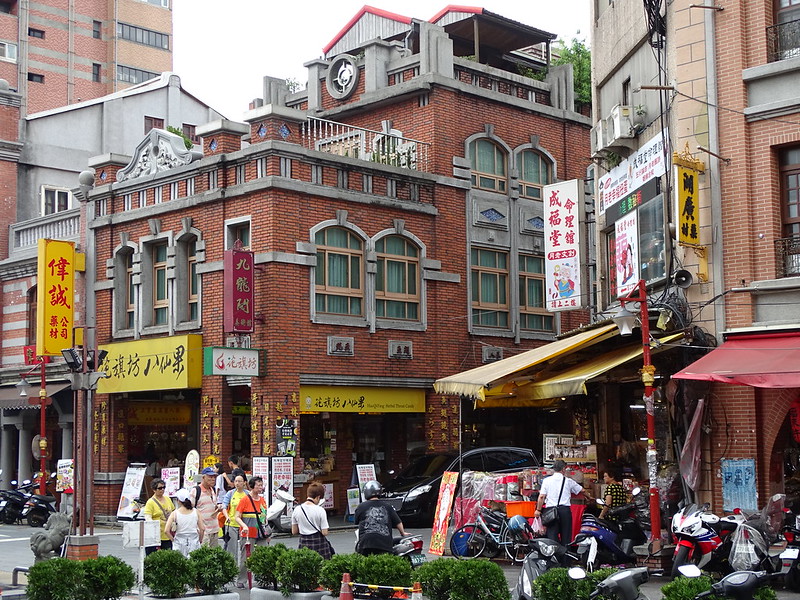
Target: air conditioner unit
(619, 126)
(598, 137)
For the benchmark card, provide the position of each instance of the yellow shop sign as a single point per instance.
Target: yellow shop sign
(167, 363)
(319, 398)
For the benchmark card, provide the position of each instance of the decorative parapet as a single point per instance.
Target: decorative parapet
(159, 151)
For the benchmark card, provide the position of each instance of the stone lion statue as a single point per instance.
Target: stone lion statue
(46, 542)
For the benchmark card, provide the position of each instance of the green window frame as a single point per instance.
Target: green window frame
(489, 166)
(535, 171)
(533, 314)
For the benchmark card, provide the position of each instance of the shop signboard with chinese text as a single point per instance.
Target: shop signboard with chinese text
(447, 491)
(260, 467)
(647, 163)
(158, 413)
(687, 197)
(239, 291)
(56, 298)
(319, 398)
(627, 236)
(563, 211)
(239, 362)
(166, 363)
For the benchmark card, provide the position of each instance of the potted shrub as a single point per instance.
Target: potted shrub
(263, 564)
(382, 569)
(107, 578)
(435, 577)
(556, 584)
(55, 579)
(330, 576)
(296, 573)
(493, 584)
(212, 569)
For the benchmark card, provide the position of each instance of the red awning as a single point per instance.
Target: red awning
(765, 361)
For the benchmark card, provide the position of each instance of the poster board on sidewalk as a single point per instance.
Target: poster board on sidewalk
(65, 475)
(442, 515)
(365, 473)
(282, 474)
(131, 488)
(172, 480)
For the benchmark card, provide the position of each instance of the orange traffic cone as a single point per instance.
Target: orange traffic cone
(416, 591)
(346, 591)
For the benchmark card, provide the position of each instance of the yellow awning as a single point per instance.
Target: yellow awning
(475, 381)
(570, 382)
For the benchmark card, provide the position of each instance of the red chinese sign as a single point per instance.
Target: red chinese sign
(239, 296)
(56, 297)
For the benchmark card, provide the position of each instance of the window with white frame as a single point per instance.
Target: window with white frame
(397, 279)
(158, 194)
(127, 202)
(212, 180)
(339, 280)
(142, 198)
(489, 278)
(533, 315)
(261, 168)
(239, 174)
(8, 51)
(488, 162)
(124, 306)
(187, 300)
(535, 171)
(55, 200)
(190, 186)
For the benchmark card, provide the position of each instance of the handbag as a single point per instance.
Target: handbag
(324, 537)
(263, 533)
(550, 513)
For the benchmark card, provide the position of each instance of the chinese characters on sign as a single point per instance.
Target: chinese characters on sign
(286, 437)
(239, 293)
(360, 399)
(242, 362)
(282, 473)
(562, 220)
(627, 254)
(739, 484)
(687, 201)
(56, 297)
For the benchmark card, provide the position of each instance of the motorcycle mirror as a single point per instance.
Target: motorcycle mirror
(600, 501)
(636, 491)
(14, 482)
(690, 570)
(576, 573)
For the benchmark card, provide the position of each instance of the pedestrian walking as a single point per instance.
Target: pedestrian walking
(310, 520)
(158, 508)
(556, 491)
(205, 500)
(251, 515)
(185, 525)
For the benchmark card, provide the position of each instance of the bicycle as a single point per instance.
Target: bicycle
(488, 536)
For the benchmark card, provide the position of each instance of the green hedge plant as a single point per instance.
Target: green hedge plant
(383, 569)
(55, 579)
(212, 569)
(107, 578)
(436, 578)
(330, 576)
(167, 573)
(263, 564)
(556, 584)
(465, 575)
(686, 588)
(298, 571)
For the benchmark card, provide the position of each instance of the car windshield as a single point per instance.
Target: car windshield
(430, 465)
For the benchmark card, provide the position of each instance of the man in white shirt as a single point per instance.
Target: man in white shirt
(557, 491)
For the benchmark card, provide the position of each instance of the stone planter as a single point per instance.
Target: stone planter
(264, 594)
(197, 596)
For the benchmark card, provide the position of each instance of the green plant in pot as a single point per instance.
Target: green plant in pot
(465, 574)
(436, 578)
(167, 573)
(385, 570)
(298, 571)
(330, 576)
(55, 579)
(107, 578)
(263, 564)
(212, 569)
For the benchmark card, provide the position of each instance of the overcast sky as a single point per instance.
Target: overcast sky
(222, 50)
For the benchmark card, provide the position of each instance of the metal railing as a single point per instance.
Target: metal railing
(787, 254)
(382, 147)
(783, 41)
(25, 235)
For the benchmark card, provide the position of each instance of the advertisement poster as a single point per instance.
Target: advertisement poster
(365, 473)
(327, 503)
(192, 469)
(562, 218)
(282, 474)
(260, 466)
(627, 236)
(443, 505)
(172, 480)
(65, 474)
(739, 484)
(287, 437)
(134, 477)
(353, 500)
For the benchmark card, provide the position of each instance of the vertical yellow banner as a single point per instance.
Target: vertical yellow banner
(56, 297)
(686, 189)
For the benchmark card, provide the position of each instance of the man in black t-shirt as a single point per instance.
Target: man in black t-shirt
(375, 519)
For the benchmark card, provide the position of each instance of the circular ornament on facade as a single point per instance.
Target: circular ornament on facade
(342, 77)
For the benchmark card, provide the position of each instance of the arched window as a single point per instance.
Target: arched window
(488, 162)
(397, 280)
(535, 170)
(339, 272)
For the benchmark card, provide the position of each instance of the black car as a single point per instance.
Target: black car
(415, 491)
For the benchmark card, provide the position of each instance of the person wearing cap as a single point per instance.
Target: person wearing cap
(557, 491)
(158, 508)
(185, 526)
(204, 498)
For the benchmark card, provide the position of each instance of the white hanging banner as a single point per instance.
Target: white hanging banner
(563, 204)
(282, 474)
(134, 478)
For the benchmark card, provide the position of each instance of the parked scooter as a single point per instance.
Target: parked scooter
(703, 538)
(543, 554)
(622, 585)
(602, 541)
(38, 508)
(408, 546)
(279, 517)
(739, 585)
(790, 558)
(12, 502)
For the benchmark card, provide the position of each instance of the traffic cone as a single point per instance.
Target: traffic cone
(346, 591)
(416, 591)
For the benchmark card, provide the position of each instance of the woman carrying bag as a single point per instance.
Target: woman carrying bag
(158, 508)
(251, 515)
(310, 520)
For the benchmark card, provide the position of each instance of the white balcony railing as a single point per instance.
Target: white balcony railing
(25, 235)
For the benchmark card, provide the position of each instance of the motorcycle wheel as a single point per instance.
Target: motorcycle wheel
(468, 542)
(681, 558)
(8, 517)
(792, 579)
(36, 519)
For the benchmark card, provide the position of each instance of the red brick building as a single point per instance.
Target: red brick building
(394, 212)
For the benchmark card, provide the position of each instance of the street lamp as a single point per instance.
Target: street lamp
(625, 321)
(43, 401)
